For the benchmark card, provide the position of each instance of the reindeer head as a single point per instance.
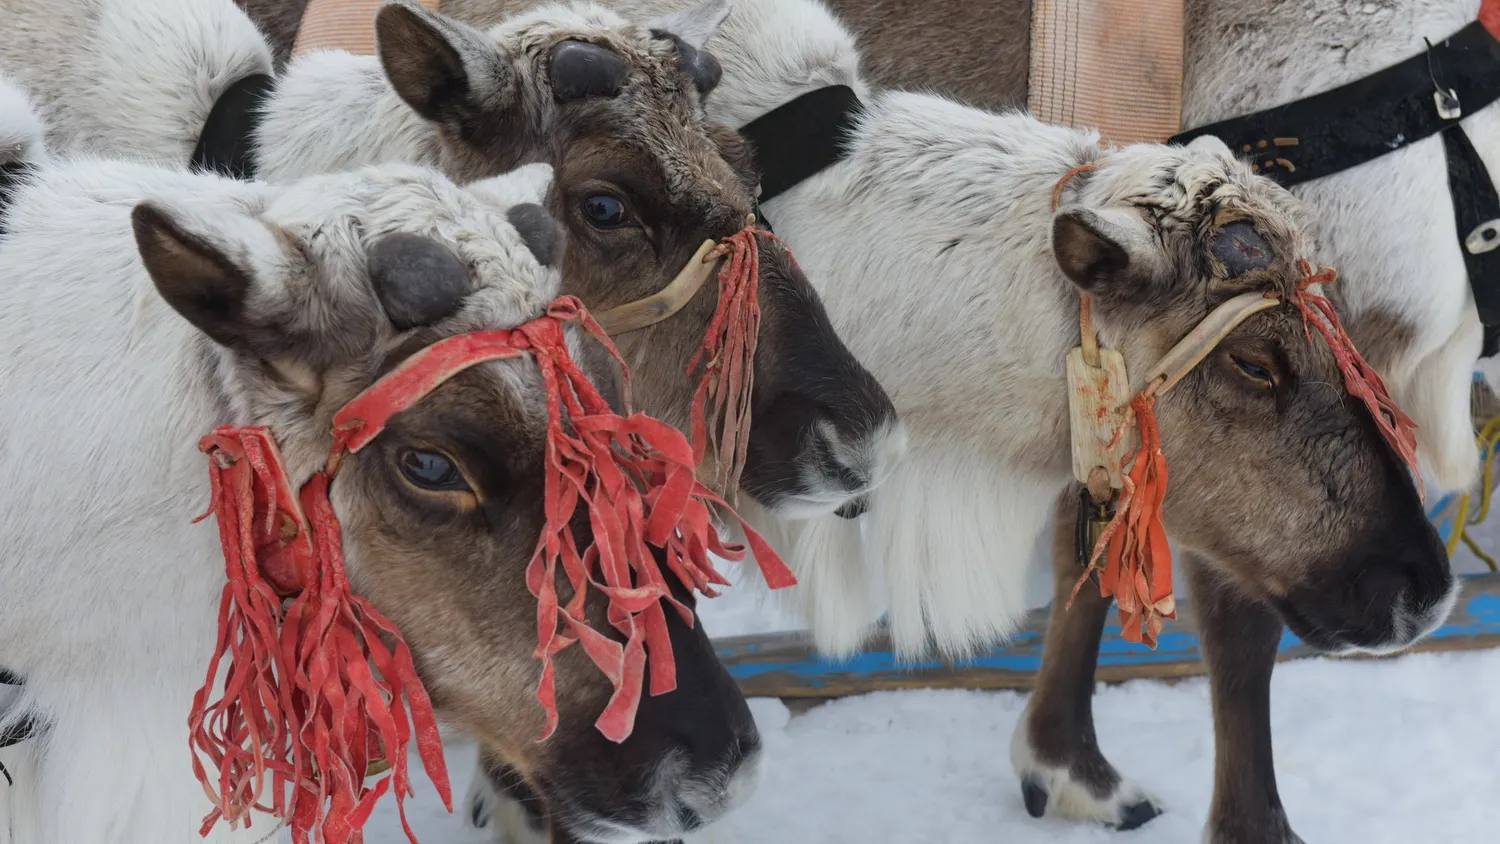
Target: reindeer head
(641, 181)
(305, 296)
(1277, 473)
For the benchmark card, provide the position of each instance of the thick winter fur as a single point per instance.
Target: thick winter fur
(82, 59)
(1388, 224)
(960, 199)
(109, 591)
(475, 104)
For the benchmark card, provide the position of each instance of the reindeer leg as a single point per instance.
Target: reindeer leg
(1054, 751)
(1239, 644)
(502, 802)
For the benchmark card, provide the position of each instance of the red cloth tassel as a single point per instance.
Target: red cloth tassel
(727, 356)
(1138, 561)
(637, 477)
(299, 699)
(1362, 381)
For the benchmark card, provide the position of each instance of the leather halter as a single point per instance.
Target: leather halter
(1426, 94)
(665, 303)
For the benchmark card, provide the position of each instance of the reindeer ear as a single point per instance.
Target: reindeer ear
(199, 268)
(445, 70)
(695, 24)
(736, 152)
(1087, 255)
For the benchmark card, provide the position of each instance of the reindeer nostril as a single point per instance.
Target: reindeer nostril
(748, 745)
(838, 461)
(854, 508)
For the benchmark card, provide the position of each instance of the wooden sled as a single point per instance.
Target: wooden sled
(783, 664)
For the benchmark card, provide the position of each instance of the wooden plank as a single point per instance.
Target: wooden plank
(784, 665)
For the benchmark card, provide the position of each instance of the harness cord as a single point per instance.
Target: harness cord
(1448, 104)
(1489, 444)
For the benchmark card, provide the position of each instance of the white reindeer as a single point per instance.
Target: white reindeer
(936, 247)
(141, 308)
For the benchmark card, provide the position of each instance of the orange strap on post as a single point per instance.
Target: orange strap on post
(1111, 65)
(342, 25)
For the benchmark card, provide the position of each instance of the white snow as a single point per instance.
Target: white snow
(1402, 750)
(1399, 751)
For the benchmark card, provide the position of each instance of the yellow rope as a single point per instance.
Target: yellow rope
(1489, 445)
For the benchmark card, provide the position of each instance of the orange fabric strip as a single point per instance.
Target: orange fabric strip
(342, 25)
(1111, 65)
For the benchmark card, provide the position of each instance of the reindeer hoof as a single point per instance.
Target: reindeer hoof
(1034, 796)
(1137, 815)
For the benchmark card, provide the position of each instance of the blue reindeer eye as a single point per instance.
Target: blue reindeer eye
(432, 471)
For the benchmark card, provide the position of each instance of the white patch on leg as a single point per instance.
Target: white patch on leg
(1068, 798)
(500, 814)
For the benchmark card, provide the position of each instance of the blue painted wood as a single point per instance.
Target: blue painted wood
(784, 665)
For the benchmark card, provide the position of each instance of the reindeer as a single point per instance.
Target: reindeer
(1318, 526)
(641, 179)
(202, 301)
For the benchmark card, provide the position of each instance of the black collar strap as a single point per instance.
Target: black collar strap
(226, 145)
(1405, 103)
(799, 139)
(17, 732)
(12, 174)
(1363, 120)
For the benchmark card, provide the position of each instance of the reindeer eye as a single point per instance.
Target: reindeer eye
(604, 211)
(432, 471)
(1254, 370)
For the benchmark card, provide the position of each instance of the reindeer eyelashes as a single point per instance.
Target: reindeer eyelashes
(1254, 371)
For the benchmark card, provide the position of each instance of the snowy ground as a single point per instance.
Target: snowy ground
(1405, 751)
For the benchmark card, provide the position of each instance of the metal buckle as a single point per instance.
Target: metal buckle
(1093, 518)
(1484, 238)
(1448, 106)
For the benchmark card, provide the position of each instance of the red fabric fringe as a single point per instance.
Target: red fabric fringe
(1363, 382)
(1138, 565)
(299, 698)
(637, 477)
(728, 359)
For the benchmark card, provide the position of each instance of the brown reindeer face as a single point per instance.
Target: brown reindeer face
(314, 295)
(640, 182)
(1276, 472)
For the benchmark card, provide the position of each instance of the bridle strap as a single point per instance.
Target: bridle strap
(663, 304)
(227, 144)
(1192, 349)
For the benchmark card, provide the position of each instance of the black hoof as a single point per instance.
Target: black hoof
(1137, 816)
(1035, 797)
